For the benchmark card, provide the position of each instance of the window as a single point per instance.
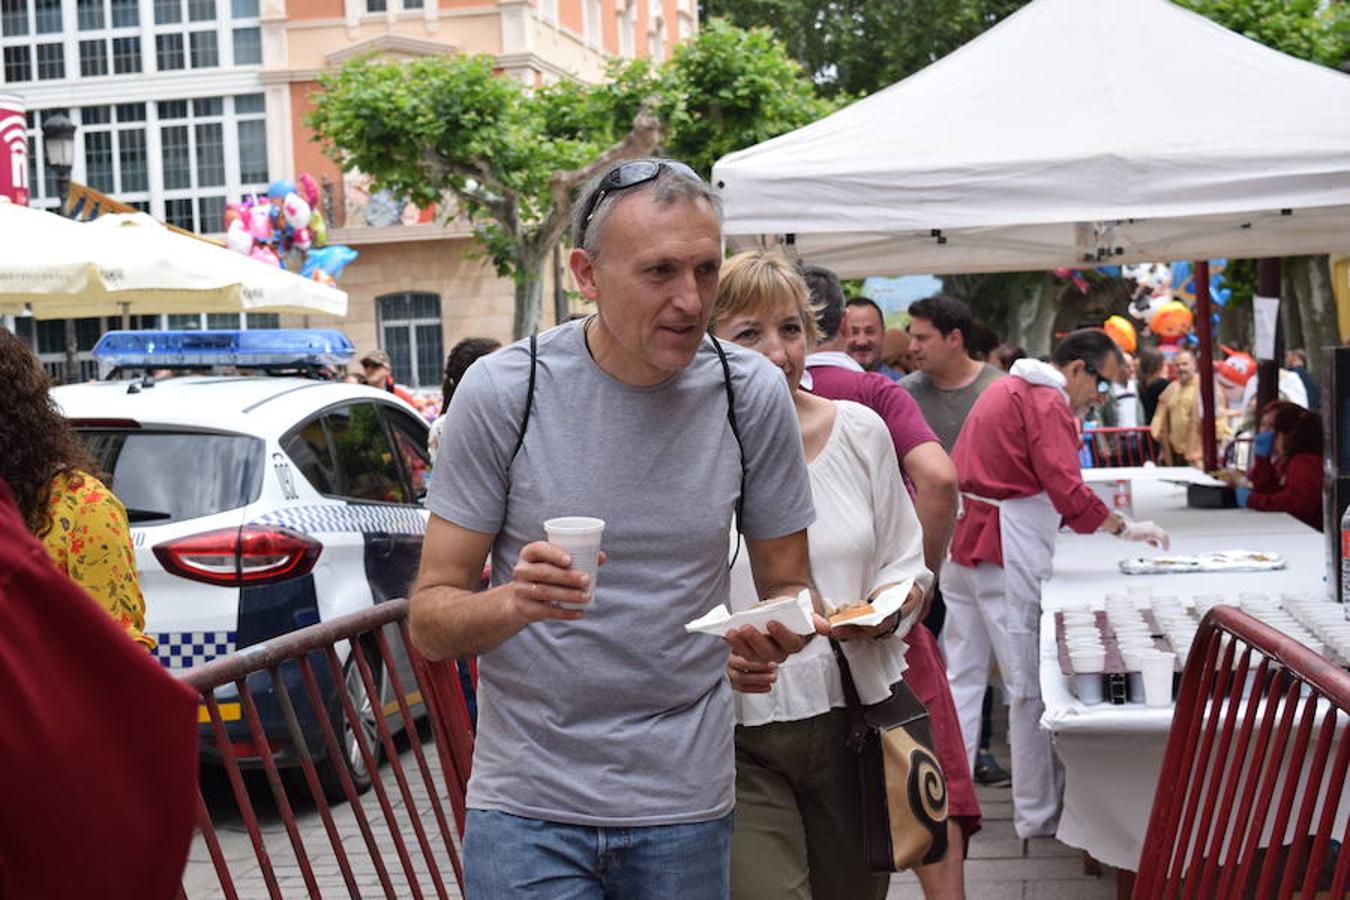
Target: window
(254, 321)
(48, 16)
(126, 55)
(366, 464)
(201, 10)
(89, 14)
(412, 4)
(13, 17)
(410, 438)
(376, 6)
(244, 9)
(247, 46)
(175, 156)
(170, 476)
(93, 58)
(169, 52)
(168, 12)
(253, 151)
(410, 327)
(98, 161)
(17, 64)
(51, 62)
(125, 13)
(133, 160)
(205, 52)
(179, 212)
(309, 449)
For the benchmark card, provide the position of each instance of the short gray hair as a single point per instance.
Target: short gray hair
(667, 187)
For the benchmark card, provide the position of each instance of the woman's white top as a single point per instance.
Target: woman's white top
(866, 535)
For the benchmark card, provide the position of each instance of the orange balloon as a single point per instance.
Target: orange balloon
(1119, 329)
(1172, 321)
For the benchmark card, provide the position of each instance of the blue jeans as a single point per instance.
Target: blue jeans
(507, 856)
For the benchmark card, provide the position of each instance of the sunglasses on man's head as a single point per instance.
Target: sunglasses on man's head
(625, 176)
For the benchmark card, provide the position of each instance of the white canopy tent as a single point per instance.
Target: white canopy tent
(1074, 132)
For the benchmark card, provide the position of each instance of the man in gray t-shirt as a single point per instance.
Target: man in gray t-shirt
(947, 381)
(604, 757)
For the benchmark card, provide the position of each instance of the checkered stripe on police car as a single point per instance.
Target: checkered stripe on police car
(185, 649)
(337, 517)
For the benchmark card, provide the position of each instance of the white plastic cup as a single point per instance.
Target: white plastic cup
(580, 536)
(1087, 678)
(1156, 668)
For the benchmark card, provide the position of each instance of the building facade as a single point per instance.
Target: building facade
(185, 105)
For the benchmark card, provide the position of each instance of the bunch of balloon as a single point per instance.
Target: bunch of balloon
(287, 229)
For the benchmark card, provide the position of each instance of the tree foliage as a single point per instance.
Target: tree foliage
(514, 158)
(855, 47)
(1314, 30)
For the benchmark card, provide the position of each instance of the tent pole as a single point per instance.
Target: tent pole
(1268, 371)
(1204, 328)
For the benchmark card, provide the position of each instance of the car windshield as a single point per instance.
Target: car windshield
(163, 476)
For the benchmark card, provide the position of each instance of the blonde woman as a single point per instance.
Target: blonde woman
(797, 831)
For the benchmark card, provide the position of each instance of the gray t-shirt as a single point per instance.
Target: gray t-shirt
(946, 410)
(620, 718)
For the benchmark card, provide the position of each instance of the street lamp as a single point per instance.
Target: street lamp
(58, 142)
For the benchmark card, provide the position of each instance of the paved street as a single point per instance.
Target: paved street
(996, 869)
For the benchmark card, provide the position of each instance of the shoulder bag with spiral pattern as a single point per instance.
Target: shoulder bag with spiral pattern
(904, 793)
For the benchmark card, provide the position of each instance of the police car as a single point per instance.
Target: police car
(259, 505)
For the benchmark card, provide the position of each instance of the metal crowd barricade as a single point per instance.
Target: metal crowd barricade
(1253, 779)
(1120, 446)
(415, 824)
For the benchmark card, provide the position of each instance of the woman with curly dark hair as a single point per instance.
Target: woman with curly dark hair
(462, 355)
(82, 525)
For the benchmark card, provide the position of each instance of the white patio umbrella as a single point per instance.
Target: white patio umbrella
(119, 264)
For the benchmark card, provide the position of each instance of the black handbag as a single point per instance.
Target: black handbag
(904, 793)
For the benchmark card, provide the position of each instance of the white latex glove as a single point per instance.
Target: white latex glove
(1146, 532)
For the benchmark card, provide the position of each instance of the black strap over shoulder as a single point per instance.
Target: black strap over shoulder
(529, 397)
(736, 432)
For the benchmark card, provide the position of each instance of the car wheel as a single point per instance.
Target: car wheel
(367, 710)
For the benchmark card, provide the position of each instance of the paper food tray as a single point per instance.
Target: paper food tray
(894, 598)
(1219, 561)
(794, 613)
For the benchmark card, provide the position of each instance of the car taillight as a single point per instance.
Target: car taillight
(236, 557)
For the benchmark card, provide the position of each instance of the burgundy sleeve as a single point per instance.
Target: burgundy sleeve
(1301, 494)
(1052, 445)
(1263, 476)
(901, 412)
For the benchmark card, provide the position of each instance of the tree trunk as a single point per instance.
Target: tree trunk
(1293, 288)
(1031, 316)
(1320, 326)
(529, 293)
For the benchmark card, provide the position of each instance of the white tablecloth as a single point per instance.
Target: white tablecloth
(1112, 754)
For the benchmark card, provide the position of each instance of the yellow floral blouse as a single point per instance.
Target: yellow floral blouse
(90, 540)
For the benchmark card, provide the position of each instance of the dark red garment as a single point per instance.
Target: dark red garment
(1020, 439)
(927, 678)
(98, 753)
(1296, 490)
(896, 406)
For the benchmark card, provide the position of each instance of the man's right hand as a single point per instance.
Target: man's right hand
(774, 645)
(543, 578)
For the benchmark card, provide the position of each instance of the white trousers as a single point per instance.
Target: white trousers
(980, 622)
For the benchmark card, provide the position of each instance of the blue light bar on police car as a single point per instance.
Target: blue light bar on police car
(266, 347)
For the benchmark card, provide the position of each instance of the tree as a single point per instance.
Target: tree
(514, 158)
(855, 47)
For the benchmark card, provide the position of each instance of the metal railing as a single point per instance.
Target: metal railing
(311, 659)
(1240, 811)
(1106, 447)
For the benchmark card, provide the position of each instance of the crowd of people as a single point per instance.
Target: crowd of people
(746, 433)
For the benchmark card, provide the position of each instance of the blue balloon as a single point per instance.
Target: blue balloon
(278, 189)
(331, 259)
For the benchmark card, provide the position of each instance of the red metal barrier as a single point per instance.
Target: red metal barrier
(1240, 810)
(1121, 447)
(416, 824)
